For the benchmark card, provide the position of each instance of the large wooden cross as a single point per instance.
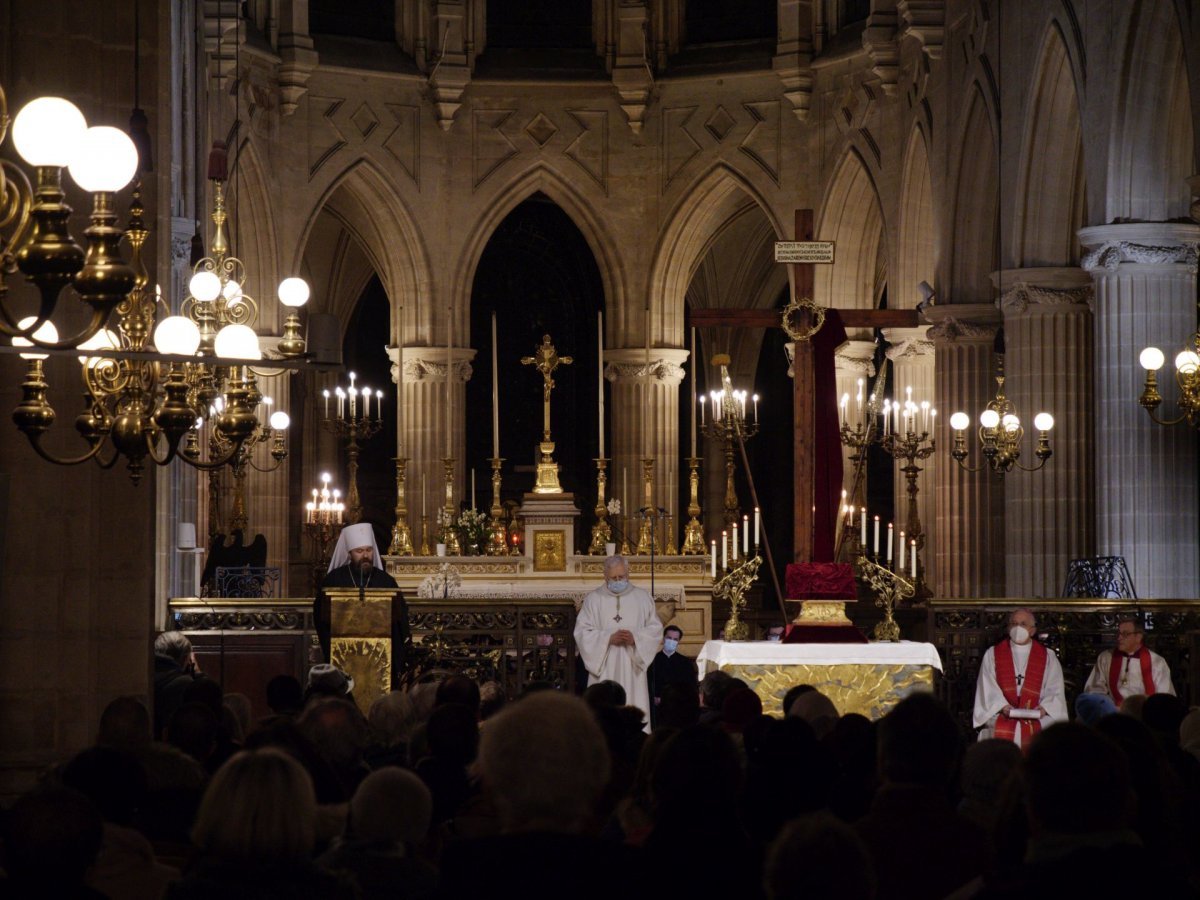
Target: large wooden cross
(805, 405)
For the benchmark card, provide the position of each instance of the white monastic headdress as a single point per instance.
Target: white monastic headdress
(351, 538)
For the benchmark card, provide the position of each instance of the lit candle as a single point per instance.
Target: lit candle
(746, 536)
(646, 414)
(701, 416)
(757, 524)
(496, 399)
(714, 560)
(693, 373)
(889, 546)
(914, 559)
(353, 400)
(366, 395)
(472, 490)
(842, 410)
(600, 374)
(624, 490)
(724, 549)
(341, 395)
(755, 398)
(379, 416)
(864, 528)
(326, 393)
(903, 551)
(735, 542)
(449, 410)
(877, 535)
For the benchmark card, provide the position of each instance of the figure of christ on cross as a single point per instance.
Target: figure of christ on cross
(546, 360)
(817, 456)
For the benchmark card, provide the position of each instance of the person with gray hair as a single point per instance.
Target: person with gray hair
(174, 670)
(618, 633)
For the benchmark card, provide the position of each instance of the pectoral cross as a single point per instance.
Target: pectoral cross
(1020, 681)
(546, 360)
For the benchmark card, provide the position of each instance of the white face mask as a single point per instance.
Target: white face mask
(1019, 634)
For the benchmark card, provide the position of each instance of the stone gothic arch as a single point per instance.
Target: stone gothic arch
(973, 252)
(851, 216)
(916, 245)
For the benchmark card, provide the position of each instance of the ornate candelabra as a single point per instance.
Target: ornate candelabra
(426, 550)
(732, 586)
(322, 523)
(911, 446)
(1187, 376)
(354, 424)
(449, 533)
(728, 424)
(401, 544)
(649, 513)
(1000, 429)
(602, 530)
(889, 588)
(693, 532)
(497, 531)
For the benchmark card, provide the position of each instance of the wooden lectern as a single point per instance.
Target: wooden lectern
(363, 626)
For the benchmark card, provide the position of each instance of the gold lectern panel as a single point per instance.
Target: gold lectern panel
(361, 640)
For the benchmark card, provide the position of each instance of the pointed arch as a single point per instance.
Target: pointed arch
(1153, 129)
(252, 229)
(973, 253)
(916, 249)
(1051, 198)
(851, 215)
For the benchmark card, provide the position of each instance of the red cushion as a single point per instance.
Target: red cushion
(821, 581)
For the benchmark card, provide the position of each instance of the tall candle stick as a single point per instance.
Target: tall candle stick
(864, 529)
(877, 535)
(724, 549)
(693, 416)
(600, 374)
(714, 560)
(903, 551)
(746, 536)
(889, 546)
(449, 343)
(646, 414)
(914, 559)
(735, 541)
(495, 398)
(757, 524)
(472, 490)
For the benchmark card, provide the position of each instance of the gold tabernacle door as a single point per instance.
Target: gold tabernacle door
(360, 639)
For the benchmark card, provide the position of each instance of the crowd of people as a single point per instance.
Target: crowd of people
(452, 790)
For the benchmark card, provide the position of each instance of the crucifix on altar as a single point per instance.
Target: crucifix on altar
(546, 360)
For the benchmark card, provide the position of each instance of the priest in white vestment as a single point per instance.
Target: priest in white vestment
(1131, 669)
(1020, 688)
(618, 633)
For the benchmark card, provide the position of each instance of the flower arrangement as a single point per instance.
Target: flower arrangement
(441, 583)
(473, 527)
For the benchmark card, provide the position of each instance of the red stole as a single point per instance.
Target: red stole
(1114, 672)
(1030, 696)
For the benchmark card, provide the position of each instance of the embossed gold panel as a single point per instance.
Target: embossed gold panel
(549, 551)
(869, 690)
(368, 660)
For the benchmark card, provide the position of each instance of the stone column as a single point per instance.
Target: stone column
(644, 413)
(912, 356)
(423, 396)
(968, 558)
(852, 362)
(1146, 475)
(1049, 514)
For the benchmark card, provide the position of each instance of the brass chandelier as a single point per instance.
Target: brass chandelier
(155, 389)
(1187, 376)
(1000, 433)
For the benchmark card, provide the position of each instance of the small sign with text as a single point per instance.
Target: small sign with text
(804, 252)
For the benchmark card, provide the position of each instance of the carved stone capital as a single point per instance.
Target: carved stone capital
(857, 357)
(428, 364)
(1144, 243)
(911, 350)
(1021, 296)
(963, 322)
(663, 371)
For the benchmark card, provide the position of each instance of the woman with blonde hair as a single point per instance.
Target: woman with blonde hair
(255, 834)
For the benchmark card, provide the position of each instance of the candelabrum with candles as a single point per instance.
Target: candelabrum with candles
(497, 530)
(729, 425)
(649, 514)
(1001, 432)
(1187, 377)
(602, 530)
(693, 532)
(354, 424)
(902, 440)
(448, 534)
(323, 516)
(890, 588)
(401, 544)
(732, 585)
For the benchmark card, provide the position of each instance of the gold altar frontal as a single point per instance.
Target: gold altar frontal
(868, 679)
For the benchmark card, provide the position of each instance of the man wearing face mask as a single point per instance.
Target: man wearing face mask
(670, 667)
(617, 632)
(1020, 687)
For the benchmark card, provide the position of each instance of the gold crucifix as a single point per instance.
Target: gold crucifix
(546, 359)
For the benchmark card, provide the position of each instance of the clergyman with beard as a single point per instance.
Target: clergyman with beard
(355, 564)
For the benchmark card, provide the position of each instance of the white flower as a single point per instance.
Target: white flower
(614, 507)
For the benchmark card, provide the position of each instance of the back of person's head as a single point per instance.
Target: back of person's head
(544, 762)
(1162, 714)
(536, 686)
(714, 687)
(206, 691)
(491, 699)
(817, 710)
(458, 689)
(453, 734)
(1132, 706)
(259, 809)
(1189, 731)
(194, 729)
(1077, 782)
(818, 855)
(173, 645)
(604, 694)
(112, 779)
(986, 766)
(739, 710)
(51, 837)
(698, 770)
(792, 693)
(391, 719)
(338, 731)
(284, 695)
(391, 805)
(125, 724)
(243, 712)
(918, 743)
(680, 706)
(422, 696)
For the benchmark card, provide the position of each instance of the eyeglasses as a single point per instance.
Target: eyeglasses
(1126, 633)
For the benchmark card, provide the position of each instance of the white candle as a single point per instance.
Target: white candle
(600, 375)
(746, 536)
(842, 409)
(914, 559)
(449, 407)
(864, 528)
(379, 416)
(694, 390)
(326, 393)
(422, 495)
(724, 549)
(701, 416)
(877, 535)
(757, 524)
(495, 399)
(889, 546)
(714, 560)
(366, 395)
(353, 400)
(472, 490)
(755, 398)
(735, 549)
(903, 551)
(646, 389)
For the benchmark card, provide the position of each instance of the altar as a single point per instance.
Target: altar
(868, 679)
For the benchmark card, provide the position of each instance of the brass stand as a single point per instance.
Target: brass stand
(546, 360)
(353, 429)
(889, 588)
(625, 549)
(401, 534)
(732, 586)
(646, 536)
(322, 534)
(669, 547)
(693, 532)
(601, 531)
(497, 545)
(910, 448)
(426, 550)
(449, 532)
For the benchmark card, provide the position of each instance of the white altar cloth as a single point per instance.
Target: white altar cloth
(718, 654)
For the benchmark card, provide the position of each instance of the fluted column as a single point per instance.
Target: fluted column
(1146, 474)
(853, 362)
(912, 357)
(968, 557)
(1049, 515)
(423, 440)
(645, 426)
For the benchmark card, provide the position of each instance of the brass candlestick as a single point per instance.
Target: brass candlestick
(911, 447)
(732, 586)
(601, 531)
(693, 532)
(646, 530)
(355, 427)
(449, 533)
(497, 532)
(322, 533)
(426, 550)
(546, 360)
(626, 549)
(401, 534)
(669, 548)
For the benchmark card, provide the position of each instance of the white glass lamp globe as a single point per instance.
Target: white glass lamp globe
(280, 420)
(1187, 362)
(959, 421)
(1152, 359)
(104, 339)
(1043, 421)
(1010, 422)
(46, 332)
(205, 286)
(237, 342)
(232, 291)
(989, 418)
(177, 335)
(293, 292)
(105, 159)
(47, 131)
